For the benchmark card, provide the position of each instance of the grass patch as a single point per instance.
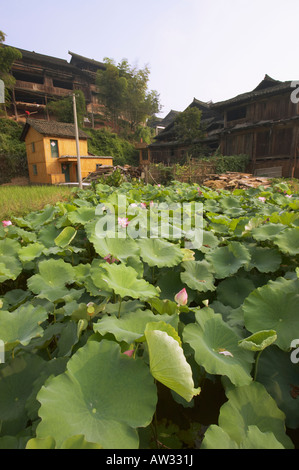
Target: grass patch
(18, 201)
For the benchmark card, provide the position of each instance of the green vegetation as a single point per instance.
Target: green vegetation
(19, 201)
(7, 56)
(124, 92)
(132, 341)
(63, 109)
(13, 161)
(106, 143)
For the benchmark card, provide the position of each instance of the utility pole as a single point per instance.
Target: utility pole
(77, 142)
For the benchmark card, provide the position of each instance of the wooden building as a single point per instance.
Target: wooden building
(41, 78)
(262, 124)
(166, 149)
(52, 152)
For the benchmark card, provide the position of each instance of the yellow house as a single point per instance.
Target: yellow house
(52, 152)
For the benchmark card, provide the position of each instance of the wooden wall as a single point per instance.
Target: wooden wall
(49, 169)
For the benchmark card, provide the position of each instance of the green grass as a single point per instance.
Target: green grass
(18, 201)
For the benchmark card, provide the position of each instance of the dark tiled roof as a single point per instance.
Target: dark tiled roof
(35, 56)
(267, 87)
(52, 128)
(80, 58)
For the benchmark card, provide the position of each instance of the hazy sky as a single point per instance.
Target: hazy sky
(207, 49)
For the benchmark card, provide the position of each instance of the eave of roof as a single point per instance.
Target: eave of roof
(52, 129)
(255, 94)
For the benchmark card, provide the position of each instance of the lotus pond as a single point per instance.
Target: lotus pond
(133, 342)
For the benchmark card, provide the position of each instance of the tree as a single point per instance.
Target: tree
(63, 108)
(124, 92)
(111, 93)
(7, 57)
(189, 131)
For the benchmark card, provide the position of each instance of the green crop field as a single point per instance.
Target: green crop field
(20, 200)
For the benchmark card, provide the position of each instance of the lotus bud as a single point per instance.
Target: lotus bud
(181, 297)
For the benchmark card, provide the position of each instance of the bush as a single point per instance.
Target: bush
(13, 161)
(103, 142)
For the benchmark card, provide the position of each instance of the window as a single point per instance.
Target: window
(98, 166)
(34, 169)
(237, 113)
(33, 147)
(54, 148)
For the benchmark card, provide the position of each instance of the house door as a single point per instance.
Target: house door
(65, 168)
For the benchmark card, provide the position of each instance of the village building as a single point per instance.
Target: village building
(52, 152)
(41, 78)
(262, 124)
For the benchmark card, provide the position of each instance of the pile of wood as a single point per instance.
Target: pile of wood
(107, 170)
(234, 180)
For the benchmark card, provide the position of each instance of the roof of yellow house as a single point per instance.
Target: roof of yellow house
(52, 129)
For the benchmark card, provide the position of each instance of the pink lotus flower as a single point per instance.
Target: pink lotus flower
(181, 297)
(129, 353)
(6, 223)
(123, 221)
(110, 259)
(143, 205)
(288, 195)
(261, 198)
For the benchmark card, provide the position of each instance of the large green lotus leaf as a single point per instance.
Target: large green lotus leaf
(209, 241)
(79, 442)
(54, 275)
(10, 268)
(198, 275)
(124, 281)
(65, 237)
(234, 290)
(267, 231)
(231, 206)
(280, 376)
(130, 327)
(158, 252)
(258, 341)
(47, 235)
(53, 367)
(9, 247)
(31, 251)
(21, 234)
(216, 438)
(256, 439)
(274, 306)
(82, 215)
(285, 218)
(168, 364)
(264, 259)
(104, 395)
(288, 241)
(34, 220)
(21, 325)
(117, 247)
(216, 348)
(42, 443)
(227, 260)
(251, 405)
(16, 381)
